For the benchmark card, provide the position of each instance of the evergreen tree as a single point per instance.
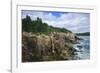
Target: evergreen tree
(26, 24)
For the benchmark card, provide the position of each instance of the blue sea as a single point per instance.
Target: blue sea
(83, 48)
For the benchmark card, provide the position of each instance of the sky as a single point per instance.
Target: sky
(75, 21)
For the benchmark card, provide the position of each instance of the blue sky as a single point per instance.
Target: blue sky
(74, 21)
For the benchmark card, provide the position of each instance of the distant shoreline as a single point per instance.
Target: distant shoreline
(83, 34)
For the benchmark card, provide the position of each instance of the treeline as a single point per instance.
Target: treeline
(38, 26)
(83, 34)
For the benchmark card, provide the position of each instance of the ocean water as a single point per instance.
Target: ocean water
(83, 48)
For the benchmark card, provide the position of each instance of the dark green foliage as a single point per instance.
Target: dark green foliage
(26, 24)
(38, 26)
(83, 34)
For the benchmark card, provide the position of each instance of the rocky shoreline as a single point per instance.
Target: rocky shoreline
(53, 47)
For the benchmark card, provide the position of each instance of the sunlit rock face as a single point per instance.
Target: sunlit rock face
(52, 47)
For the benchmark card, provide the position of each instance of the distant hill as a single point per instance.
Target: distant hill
(38, 26)
(83, 34)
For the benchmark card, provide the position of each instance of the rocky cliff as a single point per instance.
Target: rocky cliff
(52, 47)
